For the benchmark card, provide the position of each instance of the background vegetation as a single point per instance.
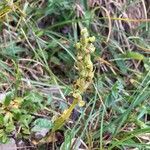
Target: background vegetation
(37, 56)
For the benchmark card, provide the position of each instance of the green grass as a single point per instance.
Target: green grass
(37, 56)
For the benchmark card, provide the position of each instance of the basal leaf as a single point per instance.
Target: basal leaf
(41, 123)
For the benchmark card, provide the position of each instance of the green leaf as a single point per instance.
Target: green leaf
(1, 119)
(128, 136)
(49, 99)
(67, 143)
(40, 124)
(147, 64)
(11, 50)
(133, 55)
(10, 127)
(32, 102)
(55, 60)
(7, 118)
(4, 139)
(8, 99)
(26, 131)
(25, 120)
(114, 93)
(120, 63)
(34, 97)
(16, 113)
(1, 133)
(66, 59)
